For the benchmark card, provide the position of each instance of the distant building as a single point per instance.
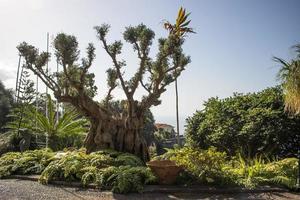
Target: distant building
(169, 139)
(165, 127)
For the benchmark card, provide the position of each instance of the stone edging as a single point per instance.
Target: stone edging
(166, 188)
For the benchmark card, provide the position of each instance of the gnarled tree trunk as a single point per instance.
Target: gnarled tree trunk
(107, 131)
(121, 135)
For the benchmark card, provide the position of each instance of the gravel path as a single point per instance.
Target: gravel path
(11, 189)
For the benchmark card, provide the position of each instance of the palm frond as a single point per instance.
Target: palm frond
(180, 28)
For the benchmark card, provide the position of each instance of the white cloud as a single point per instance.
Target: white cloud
(28, 4)
(8, 74)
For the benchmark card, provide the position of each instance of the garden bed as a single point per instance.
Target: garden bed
(205, 171)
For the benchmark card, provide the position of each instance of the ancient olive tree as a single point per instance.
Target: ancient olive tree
(111, 128)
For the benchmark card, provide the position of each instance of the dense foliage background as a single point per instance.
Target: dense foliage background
(6, 102)
(253, 123)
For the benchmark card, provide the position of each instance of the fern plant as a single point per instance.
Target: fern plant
(29, 162)
(108, 169)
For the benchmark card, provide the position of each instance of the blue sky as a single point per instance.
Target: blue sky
(231, 52)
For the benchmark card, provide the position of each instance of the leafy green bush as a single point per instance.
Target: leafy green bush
(255, 119)
(253, 172)
(29, 162)
(121, 172)
(205, 165)
(213, 167)
(122, 179)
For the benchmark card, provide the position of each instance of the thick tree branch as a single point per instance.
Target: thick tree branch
(117, 66)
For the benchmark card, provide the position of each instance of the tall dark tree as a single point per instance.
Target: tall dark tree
(6, 102)
(121, 131)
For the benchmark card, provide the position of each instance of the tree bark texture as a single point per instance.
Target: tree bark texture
(111, 130)
(118, 135)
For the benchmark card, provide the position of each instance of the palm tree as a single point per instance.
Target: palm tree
(69, 124)
(180, 28)
(289, 75)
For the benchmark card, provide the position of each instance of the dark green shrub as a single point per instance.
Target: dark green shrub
(252, 124)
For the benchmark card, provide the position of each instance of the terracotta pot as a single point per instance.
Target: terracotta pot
(165, 170)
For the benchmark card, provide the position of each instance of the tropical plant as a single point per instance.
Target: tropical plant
(108, 169)
(289, 75)
(180, 28)
(251, 173)
(213, 167)
(204, 165)
(121, 172)
(29, 162)
(62, 132)
(75, 85)
(69, 123)
(253, 123)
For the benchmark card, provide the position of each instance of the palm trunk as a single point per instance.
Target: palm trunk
(177, 115)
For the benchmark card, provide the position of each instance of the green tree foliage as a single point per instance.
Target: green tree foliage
(75, 84)
(251, 124)
(6, 103)
(25, 96)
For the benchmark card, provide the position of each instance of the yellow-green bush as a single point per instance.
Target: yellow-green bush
(29, 162)
(254, 172)
(213, 167)
(121, 172)
(204, 165)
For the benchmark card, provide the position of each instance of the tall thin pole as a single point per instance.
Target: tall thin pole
(36, 107)
(47, 137)
(57, 104)
(19, 63)
(177, 114)
(19, 83)
(47, 70)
